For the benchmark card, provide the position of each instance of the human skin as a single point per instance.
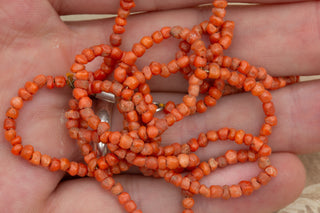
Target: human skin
(283, 38)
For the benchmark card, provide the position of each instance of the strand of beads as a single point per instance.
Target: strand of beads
(139, 143)
(27, 151)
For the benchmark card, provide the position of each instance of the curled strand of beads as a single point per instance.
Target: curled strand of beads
(207, 70)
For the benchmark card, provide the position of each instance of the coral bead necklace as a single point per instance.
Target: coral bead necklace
(208, 71)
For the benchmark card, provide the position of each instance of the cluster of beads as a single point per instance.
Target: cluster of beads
(207, 70)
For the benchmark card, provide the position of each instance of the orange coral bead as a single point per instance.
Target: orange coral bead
(268, 108)
(152, 131)
(212, 135)
(130, 206)
(256, 144)
(93, 122)
(138, 49)
(216, 191)
(45, 160)
(31, 87)
(235, 191)
(85, 102)
(10, 134)
(204, 191)
(16, 149)
(9, 124)
(27, 152)
(123, 198)
(197, 174)
(79, 93)
(139, 161)
(246, 187)
(16, 102)
(132, 82)
(185, 183)
(83, 170)
(176, 180)
(112, 159)
(231, 157)
(129, 58)
(266, 129)
(225, 41)
(255, 184)
(188, 202)
(242, 156)
(271, 120)
(40, 80)
(172, 162)
(157, 37)
(59, 81)
(108, 183)
(183, 160)
(239, 136)
(16, 140)
(73, 169)
(220, 3)
(55, 165)
(125, 142)
(64, 164)
(271, 171)
(117, 189)
(12, 113)
(265, 97)
(194, 187)
(183, 61)
(146, 41)
(258, 90)
(36, 157)
(263, 178)
(223, 133)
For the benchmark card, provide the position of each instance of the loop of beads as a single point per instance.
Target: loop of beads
(207, 70)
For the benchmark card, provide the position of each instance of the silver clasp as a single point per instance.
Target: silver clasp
(104, 110)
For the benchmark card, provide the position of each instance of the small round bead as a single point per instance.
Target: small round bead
(263, 178)
(152, 131)
(36, 157)
(246, 187)
(117, 189)
(59, 81)
(235, 191)
(55, 165)
(16, 102)
(130, 206)
(16, 149)
(188, 202)
(138, 49)
(108, 183)
(271, 171)
(45, 160)
(27, 152)
(216, 191)
(123, 198)
(146, 41)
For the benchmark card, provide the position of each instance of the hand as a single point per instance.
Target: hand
(283, 38)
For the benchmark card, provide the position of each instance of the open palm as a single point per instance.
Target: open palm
(282, 38)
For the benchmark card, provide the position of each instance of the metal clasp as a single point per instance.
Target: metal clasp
(104, 110)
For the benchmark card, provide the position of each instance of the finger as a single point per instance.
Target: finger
(297, 109)
(154, 195)
(277, 45)
(107, 7)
